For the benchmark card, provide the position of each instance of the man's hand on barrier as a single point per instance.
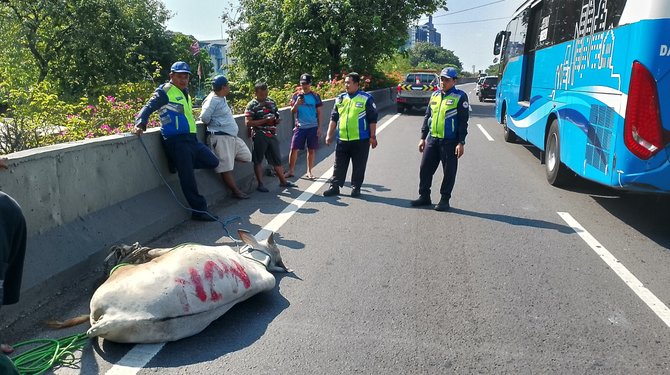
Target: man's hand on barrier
(3, 163)
(138, 131)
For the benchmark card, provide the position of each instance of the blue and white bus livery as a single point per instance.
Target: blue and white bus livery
(588, 83)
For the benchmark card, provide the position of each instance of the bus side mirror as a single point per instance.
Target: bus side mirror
(498, 43)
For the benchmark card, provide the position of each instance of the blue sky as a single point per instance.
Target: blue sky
(471, 40)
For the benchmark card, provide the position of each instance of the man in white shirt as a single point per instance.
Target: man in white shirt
(222, 133)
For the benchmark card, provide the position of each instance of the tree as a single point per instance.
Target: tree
(423, 54)
(277, 40)
(81, 44)
(493, 70)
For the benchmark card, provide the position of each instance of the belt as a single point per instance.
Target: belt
(218, 133)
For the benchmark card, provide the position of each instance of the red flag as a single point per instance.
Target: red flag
(199, 71)
(195, 48)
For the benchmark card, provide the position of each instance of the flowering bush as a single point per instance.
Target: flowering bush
(37, 117)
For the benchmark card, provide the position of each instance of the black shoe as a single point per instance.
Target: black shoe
(356, 192)
(204, 217)
(262, 189)
(423, 200)
(442, 205)
(333, 190)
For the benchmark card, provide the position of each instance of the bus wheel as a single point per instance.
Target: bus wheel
(557, 173)
(508, 134)
(401, 108)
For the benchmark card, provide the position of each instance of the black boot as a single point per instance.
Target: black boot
(443, 205)
(424, 200)
(333, 190)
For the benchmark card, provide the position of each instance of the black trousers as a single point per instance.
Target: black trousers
(357, 152)
(438, 151)
(188, 154)
(12, 249)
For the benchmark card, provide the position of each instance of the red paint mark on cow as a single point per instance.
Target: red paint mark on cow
(209, 269)
(197, 282)
(241, 274)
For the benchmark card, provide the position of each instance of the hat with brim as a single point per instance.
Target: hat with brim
(180, 67)
(449, 73)
(306, 78)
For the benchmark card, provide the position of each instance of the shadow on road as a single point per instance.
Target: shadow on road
(514, 220)
(648, 214)
(481, 110)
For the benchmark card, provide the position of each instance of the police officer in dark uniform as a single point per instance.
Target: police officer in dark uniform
(178, 128)
(355, 117)
(442, 139)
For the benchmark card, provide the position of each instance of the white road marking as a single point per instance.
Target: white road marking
(655, 304)
(135, 359)
(486, 134)
(141, 354)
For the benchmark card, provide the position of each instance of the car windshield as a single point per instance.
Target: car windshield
(491, 80)
(420, 78)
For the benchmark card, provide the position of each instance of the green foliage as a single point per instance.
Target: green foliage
(278, 40)
(428, 55)
(493, 70)
(35, 117)
(63, 39)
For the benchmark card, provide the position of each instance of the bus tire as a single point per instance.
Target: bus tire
(401, 108)
(508, 134)
(557, 173)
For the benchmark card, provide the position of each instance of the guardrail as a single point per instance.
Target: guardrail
(80, 198)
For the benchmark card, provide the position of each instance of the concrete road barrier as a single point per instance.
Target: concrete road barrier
(80, 198)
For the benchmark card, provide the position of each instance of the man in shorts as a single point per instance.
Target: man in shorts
(222, 133)
(306, 105)
(262, 116)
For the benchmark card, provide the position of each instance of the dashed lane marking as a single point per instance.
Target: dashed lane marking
(486, 134)
(655, 304)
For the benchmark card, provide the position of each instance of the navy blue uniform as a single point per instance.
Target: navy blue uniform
(443, 150)
(184, 151)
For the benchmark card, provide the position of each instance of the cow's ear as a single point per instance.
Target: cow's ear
(248, 238)
(271, 238)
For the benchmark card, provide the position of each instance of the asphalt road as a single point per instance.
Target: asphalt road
(500, 284)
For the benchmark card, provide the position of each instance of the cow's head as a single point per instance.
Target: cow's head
(267, 246)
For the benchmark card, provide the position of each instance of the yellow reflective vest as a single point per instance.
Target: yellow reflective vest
(177, 116)
(444, 112)
(353, 123)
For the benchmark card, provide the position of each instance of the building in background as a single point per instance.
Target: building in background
(218, 53)
(423, 33)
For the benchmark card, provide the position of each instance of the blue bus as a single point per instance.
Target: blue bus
(588, 83)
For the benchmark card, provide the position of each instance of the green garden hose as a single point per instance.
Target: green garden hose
(48, 354)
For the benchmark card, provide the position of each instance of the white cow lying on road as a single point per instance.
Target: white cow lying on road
(181, 290)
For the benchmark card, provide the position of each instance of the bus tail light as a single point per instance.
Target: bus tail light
(643, 131)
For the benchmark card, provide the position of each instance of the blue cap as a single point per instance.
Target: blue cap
(219, 82)
(449, 73)
(180, 67)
